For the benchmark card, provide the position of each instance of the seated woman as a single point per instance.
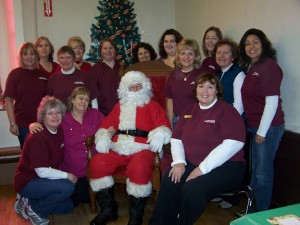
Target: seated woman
(207, 160)
(79, 122)
(143, 52)
(42, 188)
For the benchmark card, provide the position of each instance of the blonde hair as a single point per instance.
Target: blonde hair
(78, 40)
(28, 46)
(190, 44)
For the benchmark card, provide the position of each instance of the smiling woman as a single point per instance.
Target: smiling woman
(69, 76)
(25, 87)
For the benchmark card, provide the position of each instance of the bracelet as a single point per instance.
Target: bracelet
(13, 124)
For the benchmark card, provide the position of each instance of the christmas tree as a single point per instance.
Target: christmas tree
(118, 23)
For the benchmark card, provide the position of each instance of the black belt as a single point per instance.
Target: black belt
(136, 132)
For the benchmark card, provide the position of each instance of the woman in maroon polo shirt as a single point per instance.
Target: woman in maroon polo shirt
(25, 87)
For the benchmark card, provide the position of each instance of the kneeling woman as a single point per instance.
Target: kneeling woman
(207, 160)
(42, 188)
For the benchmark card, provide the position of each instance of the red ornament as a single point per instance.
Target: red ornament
(123, 35)
(118, 32)
(108, 22)
(128, 51)
(126, 11)
(119, 57)
(117, 6)
(128, 28)
(116, 16)
(112, 37)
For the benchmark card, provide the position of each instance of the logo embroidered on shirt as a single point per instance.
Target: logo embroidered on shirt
(255, 74)
(43, 78)
(211, 66)
(78, 82)
(193, 82)
(62, 145)
(188, 116)
(209, 121)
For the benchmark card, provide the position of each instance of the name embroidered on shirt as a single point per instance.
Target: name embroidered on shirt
(43, 78)
(209, 121)
(187, 116)
(78, 82)
(211, 66)
(193, 82)
(255, 74)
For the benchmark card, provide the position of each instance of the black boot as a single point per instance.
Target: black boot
(109, 207)
(136, 210)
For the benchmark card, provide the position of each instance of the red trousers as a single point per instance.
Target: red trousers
(139, 166)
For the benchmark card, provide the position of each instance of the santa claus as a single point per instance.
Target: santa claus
(141, 128)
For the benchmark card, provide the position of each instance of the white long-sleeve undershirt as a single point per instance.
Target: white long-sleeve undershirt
(50, 173)
(219, 155)
(268, 114)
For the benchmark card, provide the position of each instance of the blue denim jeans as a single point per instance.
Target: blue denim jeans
(47, 196)
(263, 156)
(23, 131)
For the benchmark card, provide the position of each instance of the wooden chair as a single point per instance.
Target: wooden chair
(157, 72)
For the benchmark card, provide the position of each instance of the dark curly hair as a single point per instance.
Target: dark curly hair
(146, 46)
(178, 38)
(267, 49)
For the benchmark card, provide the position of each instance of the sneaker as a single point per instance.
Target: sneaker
(20, 203)
(225, 205)
(34, 218)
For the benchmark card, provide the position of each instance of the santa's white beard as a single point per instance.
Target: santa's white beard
(138, 98)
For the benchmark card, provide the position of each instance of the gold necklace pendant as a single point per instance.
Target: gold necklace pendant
(185, 79)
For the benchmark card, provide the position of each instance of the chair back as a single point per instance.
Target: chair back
(157, 73)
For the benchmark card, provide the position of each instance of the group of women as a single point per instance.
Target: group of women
(208, 134)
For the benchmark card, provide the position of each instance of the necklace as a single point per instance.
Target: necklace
(185, 76)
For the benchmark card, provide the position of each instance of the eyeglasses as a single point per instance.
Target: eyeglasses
(79, 48)
(53, 113)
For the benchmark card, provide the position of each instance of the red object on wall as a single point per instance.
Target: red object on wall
(47, 8)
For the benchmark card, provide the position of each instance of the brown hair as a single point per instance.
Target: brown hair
(218, 33)
(66, 49)
(38, 41)
(211, 78)
(109, 41)
(77, 91)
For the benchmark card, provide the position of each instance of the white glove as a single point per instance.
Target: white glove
(156, 141)
(103, 145)
(103, 140)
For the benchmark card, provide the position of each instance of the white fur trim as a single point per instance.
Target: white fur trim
(164, 130)
(101, 183)
(126, 145)
(140, 97)
(103, 140)
(138, 191)
(127, 117)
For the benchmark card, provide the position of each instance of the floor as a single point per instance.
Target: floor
(82, 215)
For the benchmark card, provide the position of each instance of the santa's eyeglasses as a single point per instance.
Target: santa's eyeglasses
(135, 87)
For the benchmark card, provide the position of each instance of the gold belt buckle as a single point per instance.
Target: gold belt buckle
(127, 133)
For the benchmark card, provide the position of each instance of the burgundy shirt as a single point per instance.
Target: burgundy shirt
(106, 82)
(180, 90)
(27, 88)
(262, 80)
(55, 69)
(210, 63)
(85, 66)
(205, 129)
(62, 85)
(42, 149)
